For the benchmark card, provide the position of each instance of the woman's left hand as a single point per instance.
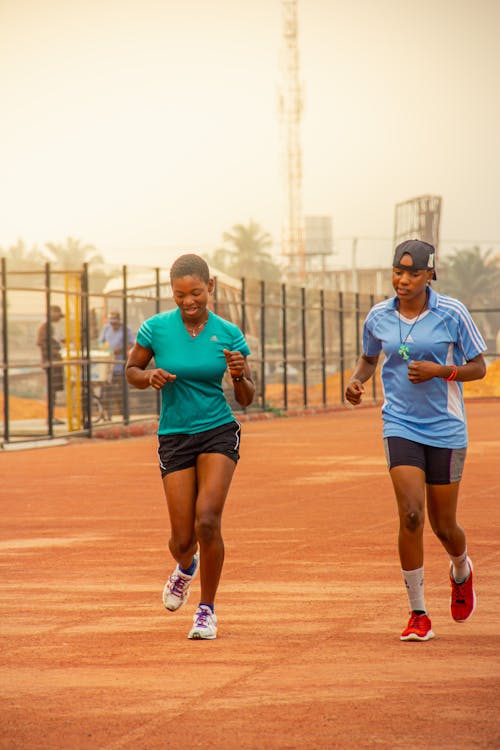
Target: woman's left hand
(420, 370)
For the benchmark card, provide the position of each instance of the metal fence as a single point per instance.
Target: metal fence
(304, 343)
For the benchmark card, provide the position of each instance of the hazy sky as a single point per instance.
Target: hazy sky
(149, 127)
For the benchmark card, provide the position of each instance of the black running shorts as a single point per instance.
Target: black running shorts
(440, 465)
(180, 451)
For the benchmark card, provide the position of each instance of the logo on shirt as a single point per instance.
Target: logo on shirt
(213, 338)
(409, 338)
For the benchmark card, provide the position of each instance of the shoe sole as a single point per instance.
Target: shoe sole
(174, 609)
(199, 637)
(473, 596)
(414, 637)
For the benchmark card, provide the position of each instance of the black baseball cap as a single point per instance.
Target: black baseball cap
(423, 255)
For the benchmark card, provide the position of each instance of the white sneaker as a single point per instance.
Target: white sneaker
(176, 590)
(204, 624)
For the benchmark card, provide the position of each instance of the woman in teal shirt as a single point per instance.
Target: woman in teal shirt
(198, 434)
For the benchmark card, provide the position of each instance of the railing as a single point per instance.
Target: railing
(304, 344)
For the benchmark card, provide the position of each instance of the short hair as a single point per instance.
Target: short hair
(190, 265)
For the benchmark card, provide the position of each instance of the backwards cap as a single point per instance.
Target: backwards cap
(423, 255)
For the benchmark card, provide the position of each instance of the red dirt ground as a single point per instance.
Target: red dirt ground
(311, 602)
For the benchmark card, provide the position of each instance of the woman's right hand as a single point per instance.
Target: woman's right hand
(158, 378)
(354, 391)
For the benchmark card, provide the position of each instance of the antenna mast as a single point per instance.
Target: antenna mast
(290, 115)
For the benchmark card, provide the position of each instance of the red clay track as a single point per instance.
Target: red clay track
(311, 602)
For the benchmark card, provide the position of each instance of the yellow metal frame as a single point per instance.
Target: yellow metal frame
(74, 354)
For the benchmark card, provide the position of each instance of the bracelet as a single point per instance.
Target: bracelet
(238, 379)
(453, 374)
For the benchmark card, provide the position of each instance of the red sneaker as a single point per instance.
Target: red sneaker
(463, 596)
(418, 629)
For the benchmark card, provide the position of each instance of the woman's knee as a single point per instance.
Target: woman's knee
(412, 519)
(207, 527)
(181, 546)
(445, 531)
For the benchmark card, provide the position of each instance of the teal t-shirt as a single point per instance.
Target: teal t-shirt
(195, 401)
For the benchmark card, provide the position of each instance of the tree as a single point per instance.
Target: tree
(246, 253)
(20, 258)
(473, 277)
(73, 254)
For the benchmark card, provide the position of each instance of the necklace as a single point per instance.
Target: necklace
(196, 330)
(404, 351)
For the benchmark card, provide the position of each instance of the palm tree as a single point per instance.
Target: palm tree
(73, 254)
(221, 259)
(246, 254)
(20, 258)
(473, 277)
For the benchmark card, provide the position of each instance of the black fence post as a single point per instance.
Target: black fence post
(243, 306)
(215, 296)
(285, 345)
(263, 342)
(356, 319)
(374, 381)
(48, 348)
(157, 291)
(304, 344)
(87, 359)
(126, 400)
(157, 310)
(341, 346)
(5, 354)
(323, 344)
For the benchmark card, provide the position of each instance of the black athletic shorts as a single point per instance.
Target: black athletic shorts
(180, 451)
(440, 465)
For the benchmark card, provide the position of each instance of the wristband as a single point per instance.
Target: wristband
(453, 374)
(238, 379)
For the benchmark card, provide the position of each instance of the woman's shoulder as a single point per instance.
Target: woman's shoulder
(386, 305)
(162, 316)
(159, 320)
(224, 323)
(450, 305)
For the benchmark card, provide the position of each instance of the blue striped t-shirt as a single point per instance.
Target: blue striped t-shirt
(433, 412)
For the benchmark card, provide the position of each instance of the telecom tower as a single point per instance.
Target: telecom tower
(290, 114)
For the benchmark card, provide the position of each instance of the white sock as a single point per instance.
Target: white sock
(414, 582)
(461, 568)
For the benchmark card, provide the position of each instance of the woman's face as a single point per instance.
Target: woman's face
(191, 295)
(407, 283)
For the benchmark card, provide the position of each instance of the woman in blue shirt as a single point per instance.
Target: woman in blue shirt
(431, 346)
(198, 435)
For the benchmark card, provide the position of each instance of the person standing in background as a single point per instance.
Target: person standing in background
(50, 349)
(112, 338)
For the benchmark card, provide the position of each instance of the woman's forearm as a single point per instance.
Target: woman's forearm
(364, 369)
(244, 391)
(137, 377)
